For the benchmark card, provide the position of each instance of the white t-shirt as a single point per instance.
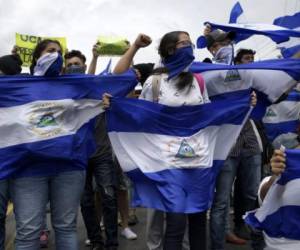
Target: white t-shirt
(169, 95)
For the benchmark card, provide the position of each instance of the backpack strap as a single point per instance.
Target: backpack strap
(156, 80)
(200, 81)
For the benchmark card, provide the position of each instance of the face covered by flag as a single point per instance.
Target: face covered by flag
(279, 214)
(173, 154)
(47, 123)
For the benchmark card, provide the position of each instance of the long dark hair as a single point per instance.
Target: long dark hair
(167, 47)
(40, 47)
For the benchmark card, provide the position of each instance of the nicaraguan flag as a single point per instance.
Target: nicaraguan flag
(46, 124)
(173, 154)
(279, 215)
(270, 78)
(243, 31)
(283, 117)
(235, 13)
(291, 22)
(292, 46)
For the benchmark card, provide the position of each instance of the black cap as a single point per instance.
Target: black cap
(218, 36)
(10, 64)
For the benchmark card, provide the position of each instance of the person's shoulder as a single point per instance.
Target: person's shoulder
(262, 183)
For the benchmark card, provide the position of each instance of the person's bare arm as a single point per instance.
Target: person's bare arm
(93, 64)
(125, 61)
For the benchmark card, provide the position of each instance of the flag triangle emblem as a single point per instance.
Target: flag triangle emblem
(185, 150)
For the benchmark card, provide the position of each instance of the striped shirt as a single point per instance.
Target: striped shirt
(247, 141)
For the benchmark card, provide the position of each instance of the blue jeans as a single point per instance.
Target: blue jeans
(3, 208)
(249, 169)
(30, 196)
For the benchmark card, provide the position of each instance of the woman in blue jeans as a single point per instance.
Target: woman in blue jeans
(30, 195)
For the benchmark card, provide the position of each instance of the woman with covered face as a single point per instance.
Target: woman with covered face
(62, 188)
(172, 84)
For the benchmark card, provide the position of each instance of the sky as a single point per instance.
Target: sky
(81, 21)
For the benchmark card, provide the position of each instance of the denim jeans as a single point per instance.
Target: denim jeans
(104, 171)
(3, 208)
(248, 168)
(30, 196)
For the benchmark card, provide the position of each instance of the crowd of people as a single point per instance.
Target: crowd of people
(103, 190)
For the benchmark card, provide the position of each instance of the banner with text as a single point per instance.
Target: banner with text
(27, 43)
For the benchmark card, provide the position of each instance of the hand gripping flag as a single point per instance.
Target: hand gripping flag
(46, 124)
(279, 214)
(173, 154)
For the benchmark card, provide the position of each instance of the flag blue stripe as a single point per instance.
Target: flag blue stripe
(18, 90)
(292, 171)
(289, 52)
(235, 12)
(49, 157)
(188, 120)
(290, 22)
(277, 36)
(186, 190)
(290, 66)
(294, 95)
(283, 223)
(275, 129)
(259, 110)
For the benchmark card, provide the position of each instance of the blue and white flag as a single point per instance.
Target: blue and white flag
(243, 31)
(173, 154)
(283, 117)
(292, 46)
(279, 215)
(270, 78)
(235, 13)
(46, 123)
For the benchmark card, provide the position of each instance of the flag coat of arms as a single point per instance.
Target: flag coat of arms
(283, 117)
(47, 124)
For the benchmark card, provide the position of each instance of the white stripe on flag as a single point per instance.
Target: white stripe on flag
(278, 196)
(42, 120)
(157, 152)
(271, 82)
(282, 112)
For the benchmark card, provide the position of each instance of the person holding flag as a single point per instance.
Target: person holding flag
(278, 196)
(172, 85)
(9, 65)
(30, 194)
(244, 160)
(175, 87)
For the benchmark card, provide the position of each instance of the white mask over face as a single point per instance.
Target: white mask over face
(224, 55)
